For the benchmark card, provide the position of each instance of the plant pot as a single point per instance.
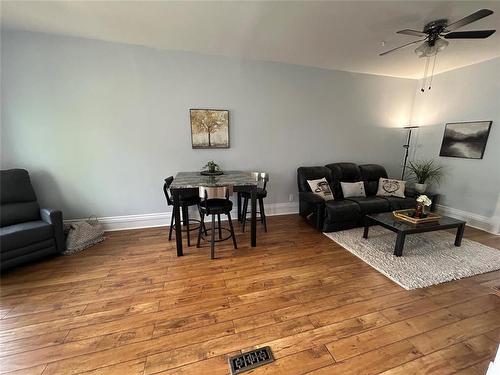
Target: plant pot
(420, 188)
(210, 173)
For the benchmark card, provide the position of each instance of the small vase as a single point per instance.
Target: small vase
(419, 211)
(420, 188)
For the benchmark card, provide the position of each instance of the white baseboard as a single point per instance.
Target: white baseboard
(488, 224)
(112, 223)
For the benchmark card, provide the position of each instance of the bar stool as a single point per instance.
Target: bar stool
(186, 200)
(215, 201)
(262, 178)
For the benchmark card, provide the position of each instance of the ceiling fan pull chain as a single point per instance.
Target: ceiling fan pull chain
(425, 73)
(432, 72)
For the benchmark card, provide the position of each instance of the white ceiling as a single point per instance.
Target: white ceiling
(344, 35)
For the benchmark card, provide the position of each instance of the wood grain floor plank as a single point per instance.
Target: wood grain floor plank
(450, 359)
(135, 367)
(36, 370)
(367, 341)
(138, 350)
(74, 322)
(456, 332)
(216, 365)
(193, 353)
(32, 343)
(285, 346)
(374, 362)
(297, 364)
(76, 348)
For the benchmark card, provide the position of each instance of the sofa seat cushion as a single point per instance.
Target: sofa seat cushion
(30, 249)
(397, 203)
(27, 254)
(371, 205)
(24, 234)
(342, 210)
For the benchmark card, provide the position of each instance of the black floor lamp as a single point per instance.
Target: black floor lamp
(406, 146)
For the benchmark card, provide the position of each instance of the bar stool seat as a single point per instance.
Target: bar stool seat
(259, 193)
(262, 178)
(215, 202)
(216, 206)
(186, 200)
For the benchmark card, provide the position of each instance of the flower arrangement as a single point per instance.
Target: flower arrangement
(424, 199)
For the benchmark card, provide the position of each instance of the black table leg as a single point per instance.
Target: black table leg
(460, 234)
(253, 232)
(239, 207)
(400, 242)
(367, 228)
(178, 224)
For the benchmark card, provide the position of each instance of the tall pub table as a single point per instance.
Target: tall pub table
(242, 182)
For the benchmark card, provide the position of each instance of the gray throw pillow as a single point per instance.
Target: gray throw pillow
(353, 189)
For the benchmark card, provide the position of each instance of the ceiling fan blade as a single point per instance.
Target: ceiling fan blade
(412, 32)
(479, 34)
(469, 19)
(403, 46)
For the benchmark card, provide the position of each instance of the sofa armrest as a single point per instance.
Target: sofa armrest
(55, 218)
(312, 207)
(310, 197)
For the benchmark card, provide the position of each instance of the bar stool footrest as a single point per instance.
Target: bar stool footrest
(209, 231)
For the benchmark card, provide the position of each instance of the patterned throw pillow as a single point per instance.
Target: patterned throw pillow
(322, 188)
(391, 188)
(353, 189)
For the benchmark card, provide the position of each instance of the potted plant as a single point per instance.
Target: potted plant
(425, 171)
(211, 169)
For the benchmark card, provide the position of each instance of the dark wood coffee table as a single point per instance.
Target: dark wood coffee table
(402, 228)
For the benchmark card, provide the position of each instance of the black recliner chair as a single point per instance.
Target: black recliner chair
(345, 213)
(27, 233)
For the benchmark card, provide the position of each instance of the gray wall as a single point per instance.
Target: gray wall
(99, 125)
(467, 94)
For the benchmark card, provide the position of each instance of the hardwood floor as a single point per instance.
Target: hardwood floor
(130, 306)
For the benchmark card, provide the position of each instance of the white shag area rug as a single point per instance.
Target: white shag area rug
(428, 258)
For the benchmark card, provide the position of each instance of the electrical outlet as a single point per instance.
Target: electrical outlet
(290, 198)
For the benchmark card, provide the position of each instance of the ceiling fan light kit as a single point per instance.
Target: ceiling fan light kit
(435, 34)
(426, 50)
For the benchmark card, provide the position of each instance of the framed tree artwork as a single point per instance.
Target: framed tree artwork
(465, 139)
(209, 128)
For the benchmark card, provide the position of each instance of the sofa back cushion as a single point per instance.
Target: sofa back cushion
(17, 198)
(371, 174)
(343, 172)
(312, 173)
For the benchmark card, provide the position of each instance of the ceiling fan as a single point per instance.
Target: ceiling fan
(435, 34)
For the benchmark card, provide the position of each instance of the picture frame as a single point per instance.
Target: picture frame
(465, 139)
(209, 128)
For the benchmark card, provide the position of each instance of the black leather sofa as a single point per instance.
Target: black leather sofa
(27, 233)
(345, 213)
